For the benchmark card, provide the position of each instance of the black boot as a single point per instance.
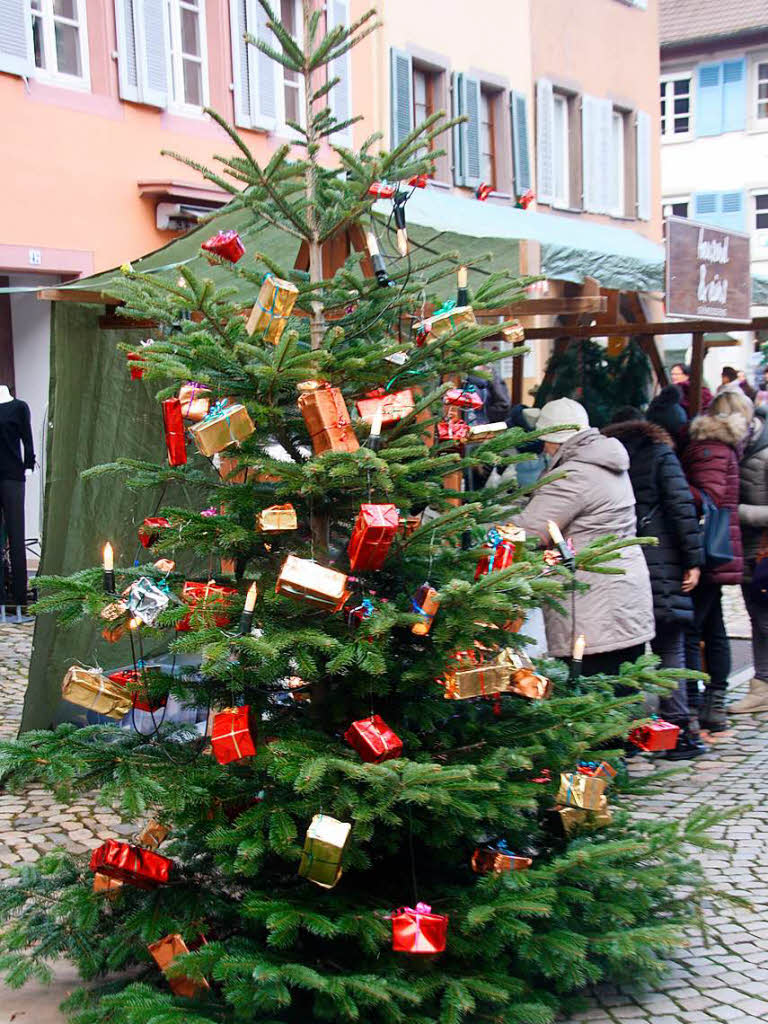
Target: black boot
(712, 711)
(689, 745)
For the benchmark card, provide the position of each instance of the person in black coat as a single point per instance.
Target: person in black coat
(665, 510)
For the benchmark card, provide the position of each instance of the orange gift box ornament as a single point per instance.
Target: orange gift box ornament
(164, 952)
(141, 868)
(418, 930)
(425, 603)
(233, 736)
(194, 403)
(149, 531)
(375, 529)
(658, 735)
(205, 596)
(498, 858)
(277, 518)
(327, 418)
(392, 407)
(373, 739)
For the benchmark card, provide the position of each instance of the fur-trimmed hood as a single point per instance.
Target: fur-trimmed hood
(632, 432)
(731, 429)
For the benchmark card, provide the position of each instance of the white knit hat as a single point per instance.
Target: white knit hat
(562, 412)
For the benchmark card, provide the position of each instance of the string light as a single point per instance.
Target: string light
(402, 231)
(462, 294)
(109, 569)
(379, 267)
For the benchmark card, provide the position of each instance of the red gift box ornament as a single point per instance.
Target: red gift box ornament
(134, 358)
(483, 191)
(452, 430)
(525, 200)
(463, 398)
(503, 553)
(418, 930)
(149, 531)
(418, 181)
(603, 770)
(375, 529)
(392, 407)
(382, 189)
(210, 596)
(175, 439)
(233, 736)
(226, 244)
(141, 868)
(133, 680)
(373, 739)
(658, 735)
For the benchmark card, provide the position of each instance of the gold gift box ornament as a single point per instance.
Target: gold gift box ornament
(304, 580)
(224, 425)
(274, 305)
(324, 847)
(524, 680)
(576, 817)
(470, 679)
(89, 688)
(443, 321)
(277, 518)
(581, 791)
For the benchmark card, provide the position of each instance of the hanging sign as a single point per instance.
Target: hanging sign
(708, 271)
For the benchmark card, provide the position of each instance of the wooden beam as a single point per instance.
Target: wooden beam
(721, 342)
(76, 295)
(550, 307)
(647, 329)
(697, 373)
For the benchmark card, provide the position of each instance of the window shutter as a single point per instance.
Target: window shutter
(470, 130)
(15, 37)
(340, 98)
(734, 95)
(127, 62)
(241, 58)
(733, 211)
(709, 100)
(644, 166)
(401, 95)
(456, 111)
(545, 137)
(152, 51)
(518, 105)
(706, 206)
(590, 153)
(606, 164)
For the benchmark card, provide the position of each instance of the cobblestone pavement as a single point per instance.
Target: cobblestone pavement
(714, 981)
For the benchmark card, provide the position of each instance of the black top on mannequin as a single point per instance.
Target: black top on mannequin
(15, 430)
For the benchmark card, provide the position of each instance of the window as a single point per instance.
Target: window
(59, 41)
(721, 209)
(482, 145)
(675, 106)
(487, 138)
(560, 152)
(423, 99)
(721, 97)
(675, 208)
(761, 212)
(186, 36)
(761, 81)
(618, 180)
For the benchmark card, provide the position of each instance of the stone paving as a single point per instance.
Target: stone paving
(716, 979)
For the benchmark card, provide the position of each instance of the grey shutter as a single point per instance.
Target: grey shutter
(470, 130)
(127, 63)
(456, 111)
(545, 138)
(153, 50)
(400, 95)
(16, 37)
(518, 106)
(643, 130)
(241, 57)
(607, 171)
(596, 149)
(340, 98)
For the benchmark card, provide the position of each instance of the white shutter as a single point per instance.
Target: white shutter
(242, 54)
(16, 37)
(470, 130)
(400, 96)
(588, 149)
(545, 137)
(598, 170)
(518, 105)
(643, 129)
(607, 170)
(153, 51)
(127, 64)
(340, 97)
(265, 75)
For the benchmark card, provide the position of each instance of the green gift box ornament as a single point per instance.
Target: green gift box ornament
(324, 847)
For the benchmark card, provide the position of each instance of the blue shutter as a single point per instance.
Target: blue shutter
(734, 95)
(721, 209)
(709, 100)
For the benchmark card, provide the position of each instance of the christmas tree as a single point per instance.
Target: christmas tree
(378, 741)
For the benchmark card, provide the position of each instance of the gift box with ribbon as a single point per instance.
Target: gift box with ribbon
(526, 683)
(164, 952)
(373, 739)
(277, 518)
(274, 305)
(657, 735)
(145, 600)
(570, 818)
(408, 525)
(453, 430)
(116, 615)
(226, 244)
(224, 425)
(152, 835)
(425, 603)
(135, 359)
(463, 398)
(375, 528)
(498, 858)
(195, 404)
(133, 681)
(327, 418)
(485, 432)
(391, 407)
(149, 531)
(175, 439)
(603, 770)
(359, 613)
(103, 885)
(513, 333)
(503, 551)
(324, 847)
(89, 688)
(304, 580)
(583, 791)
(418, 930)
(141, 868)
(443, 321)
(233, 736)
(471, 679)
(210, 599)
(382, 189)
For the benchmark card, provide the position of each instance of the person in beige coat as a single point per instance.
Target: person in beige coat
(593, 499)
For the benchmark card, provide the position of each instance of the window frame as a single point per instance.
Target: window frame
(430, 87)
(675, 201)
(564, 100)
(491, 97)
(282, 127)
(626, 169)
(176, 59)
(46, 75)
(668, 78)
(754, 121)
(755, 195)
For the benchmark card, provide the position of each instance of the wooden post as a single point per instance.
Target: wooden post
(518, 363)
(697, 373)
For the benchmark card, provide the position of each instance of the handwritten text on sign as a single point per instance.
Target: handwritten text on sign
(708, 271)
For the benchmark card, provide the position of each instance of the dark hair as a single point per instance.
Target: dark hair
(682, 366)
(626, 413)
(729, 373)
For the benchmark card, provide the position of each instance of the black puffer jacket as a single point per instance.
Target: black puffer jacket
(665, 510)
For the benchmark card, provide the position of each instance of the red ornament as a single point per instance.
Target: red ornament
(418, 930)
(418, 181)
(659, 735)
(463, 398)
(604, 770)
(175, 439)
(226, 244)
(452, 430)
(483, 191)
(133, 680)
(208, 594)
(394, 407)
(525, 200)
(149, 531)
(502, 556)
(373, 739)
(372, 536)
(141, 868)
(382, 190)
(233, 736)
(136, 371)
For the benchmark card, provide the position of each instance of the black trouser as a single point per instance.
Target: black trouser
(608, 663)
(12, 509)
(708, 625)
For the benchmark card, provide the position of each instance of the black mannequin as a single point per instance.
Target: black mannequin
(15, 430)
